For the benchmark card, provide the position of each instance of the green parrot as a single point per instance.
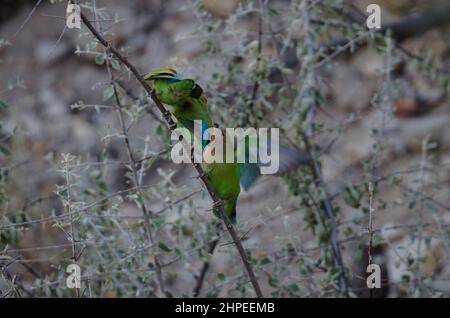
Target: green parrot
(184, 95)
(227, 178)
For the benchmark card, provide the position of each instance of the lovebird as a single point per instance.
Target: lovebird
(227, 178)
(184, 95)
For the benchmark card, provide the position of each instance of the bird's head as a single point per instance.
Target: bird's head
(162, 77)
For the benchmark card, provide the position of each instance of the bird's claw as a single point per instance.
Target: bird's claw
(217, 204)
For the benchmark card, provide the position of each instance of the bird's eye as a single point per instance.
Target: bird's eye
(197, 91)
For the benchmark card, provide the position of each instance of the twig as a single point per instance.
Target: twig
(258, 63)
(145, 211)
(64, 215)
(317, 173)
(69, 210)
(171, 123)
(278, 52)
(148, 214)
(423, 163)
(400, 31)
(426, 197)
(370, 229)
(205, 267)
(7, 278)
(148, 108)
(384, 109)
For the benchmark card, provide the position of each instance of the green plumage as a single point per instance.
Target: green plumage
(184, 95)
(189, 104)
(224, 178)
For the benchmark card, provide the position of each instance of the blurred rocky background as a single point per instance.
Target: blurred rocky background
(383, 116)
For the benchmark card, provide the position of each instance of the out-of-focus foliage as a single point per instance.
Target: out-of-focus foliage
(84, 155)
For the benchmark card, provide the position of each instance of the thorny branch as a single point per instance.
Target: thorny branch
(317, 173)
(167, 116)
(399, 31)
(370, 230)
(68, 202)
(145, 211)
(258, 62)
(206, 265)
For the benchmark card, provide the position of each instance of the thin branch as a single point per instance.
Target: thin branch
(207, 264)
(317, 172)
(38, 2)
(258, 63)
(205, 267)
(148, 214)
(399, 31)
(370, 229)
(64, 215)
(69, 210)
(171, 123)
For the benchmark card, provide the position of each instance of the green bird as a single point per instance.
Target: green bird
(224, 178)
(184, 95)
(189, 105)
(227, 178)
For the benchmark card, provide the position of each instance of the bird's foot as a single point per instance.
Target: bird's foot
(217, 204)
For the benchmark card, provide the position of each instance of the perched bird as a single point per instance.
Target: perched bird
(184, 95)
(228, 177)
(189, 105)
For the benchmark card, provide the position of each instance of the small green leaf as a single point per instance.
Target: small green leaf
(108, 93)
(115, 64)
(4, 150)
(273, 281)
(273, 12)
(3, 105)
(102, 186)
(352, 197)
(99, 59)
(221, 276)
(294, 287)
(159, 130)
(168, 294)
(120, 90)
(163, 247)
